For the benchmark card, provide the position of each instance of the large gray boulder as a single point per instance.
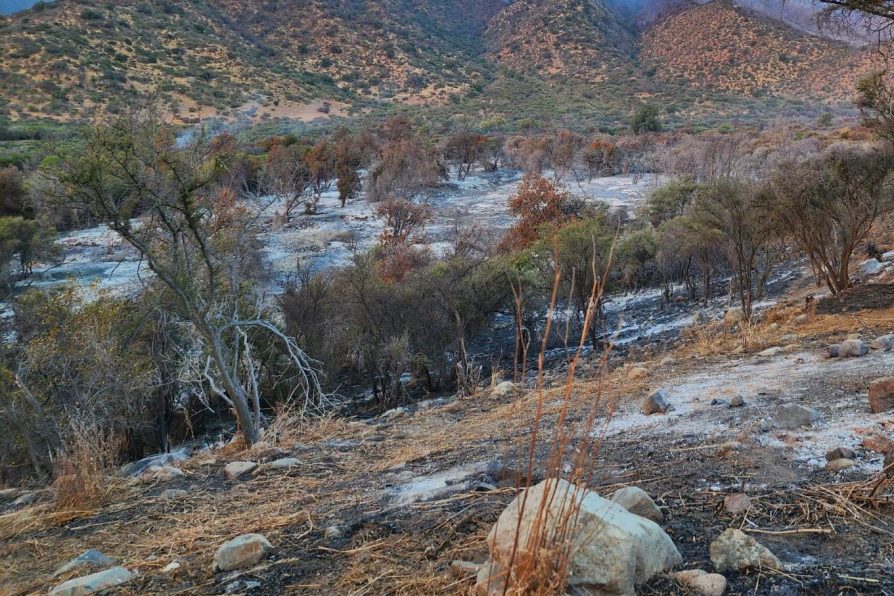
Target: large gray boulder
(734, 550)
(242, 551)
(90, 584)
(871, 267)
(611, 549)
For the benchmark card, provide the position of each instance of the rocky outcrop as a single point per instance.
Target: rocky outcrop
(611, 550)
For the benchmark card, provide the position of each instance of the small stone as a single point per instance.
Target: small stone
(333, 532)
(881, 395)
(504, 389)
(90, 558)
(460, 569)
(269, 454)
(90, 584)
(171, 567)
(736, 551)
(853, 348)
(395, 413)
(718, 402)
(237, 469)
(801, 319)
(240, 552)
(737, 402)
(840, 464)
(702, 582)
(794, 416)
(165, 473)
(878, 443)
(789, 338)
(656, 403)
(771, 352)
(637, 501)
(884, 343)
(870, 267)
(173, 494)
(737, 504)
(841, 453)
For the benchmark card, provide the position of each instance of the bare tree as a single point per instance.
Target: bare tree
(195, 236)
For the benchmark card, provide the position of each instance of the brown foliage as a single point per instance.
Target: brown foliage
(537, 203)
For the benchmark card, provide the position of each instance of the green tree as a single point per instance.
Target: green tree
(646, 119)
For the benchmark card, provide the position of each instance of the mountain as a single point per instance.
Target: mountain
(284, 58)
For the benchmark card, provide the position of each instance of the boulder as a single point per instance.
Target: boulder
(90, 558)
(504, 389)
(888, 256)
(878, 443)
(735, 550)
(737, 401)
(837, 465)
(737, 503)
(841, 453)
(638, 502)
(871, 267)
(801, 319)
(794, 416)
(884, 343)
(853, 348)
(242, 551)
(701, 582)
(237, 469)
(90, 584)
(771, 352)
(155, 461)
(656, 403)
(881, 395)
(612, 550)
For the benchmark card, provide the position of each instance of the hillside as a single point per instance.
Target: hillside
(268, 58)
(725, 48)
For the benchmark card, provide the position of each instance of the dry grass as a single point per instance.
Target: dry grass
(81, 471)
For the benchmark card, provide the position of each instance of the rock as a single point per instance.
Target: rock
(90, 584)
(491, 580)
(504, 389)
(90, 558)
(461, 569)
(165, 473)
(888, 256)
(237, 469)
(701, 582)
(771, 352)
(878, 443)
(841, 453)
(789, 338)
(794, 416)
(394, 414)
(656, 403)
(737, 402)
(840, 464)
(637, 373)
(275, 466)
(240, 552)
(736, 551)
(853, 348)
(884, 343)
(333, 532)
(171, 567)
(801, 319)
(870, 267)
(737, 503)
(612, 549)
(881, 395)
(638, 502)
(137, 468)
(173, 494)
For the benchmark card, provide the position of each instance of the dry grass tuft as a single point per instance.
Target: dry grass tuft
(81, 481)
